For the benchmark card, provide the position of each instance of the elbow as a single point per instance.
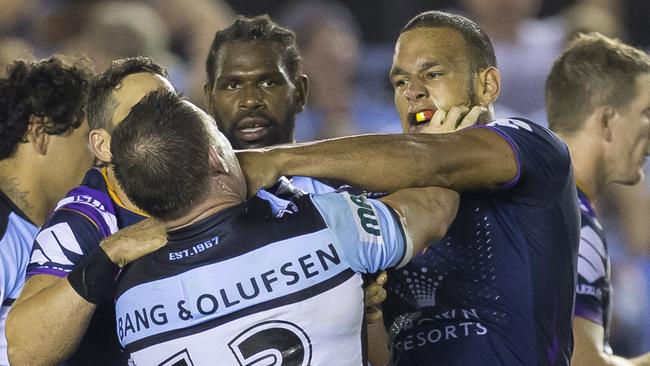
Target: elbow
(18, 341)
(17, 352)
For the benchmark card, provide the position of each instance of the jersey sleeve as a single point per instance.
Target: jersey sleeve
(369, 233)
(592, 277)
(63, 241)
(542, 159)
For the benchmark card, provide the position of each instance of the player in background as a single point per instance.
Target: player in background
(598, 101)
(255, 87)
(499, 288)
(273, 275)
(50, 323)
(42, 155)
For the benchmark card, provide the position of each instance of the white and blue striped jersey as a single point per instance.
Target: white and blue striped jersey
(17, 234)
(247, 287)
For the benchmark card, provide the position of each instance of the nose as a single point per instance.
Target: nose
(250, 98)
(416, 90)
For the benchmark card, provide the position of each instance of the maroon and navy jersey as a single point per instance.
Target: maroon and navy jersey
(498, 289)
(594, 290)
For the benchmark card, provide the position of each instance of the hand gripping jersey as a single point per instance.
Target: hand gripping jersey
(244, 287)
(88, 214)
(593, 293)
(17, 234)
(498, 288)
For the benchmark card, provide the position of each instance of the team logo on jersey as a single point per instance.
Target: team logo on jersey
(366, 219)
(272, 343)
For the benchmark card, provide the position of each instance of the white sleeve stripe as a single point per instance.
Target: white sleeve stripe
(589, 252)
(589, 270)
(590, 236)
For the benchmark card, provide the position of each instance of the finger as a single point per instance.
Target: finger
(370, 291)
(472, 117)
(454, 116)
(382, 278)
(376, 298)
(437, 120)
(373, 314)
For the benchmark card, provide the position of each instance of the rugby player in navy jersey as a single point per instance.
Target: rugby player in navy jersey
(236, 283)
(598, 101)
(50, 323)
(499, 288)
(43, 154)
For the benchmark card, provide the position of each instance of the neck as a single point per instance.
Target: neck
(23, 188)
(588, 167)
(202, 211)
(115, 189)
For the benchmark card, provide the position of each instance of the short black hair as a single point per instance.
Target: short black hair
(101, 103)
(160, 155)
(260, 28)
(592, 71)
(51, 89)
(480, 50)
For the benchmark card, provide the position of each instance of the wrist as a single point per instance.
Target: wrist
(95, 277)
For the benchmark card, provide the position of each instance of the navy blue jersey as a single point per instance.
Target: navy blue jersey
(498, 289)
(17, 234)
(80, 221)
(593, 293)
(245, 287)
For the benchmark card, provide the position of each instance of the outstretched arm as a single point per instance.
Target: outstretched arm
(473, 159)
(49, 318)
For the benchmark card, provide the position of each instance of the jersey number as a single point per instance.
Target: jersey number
(182, 358)
(272, 343)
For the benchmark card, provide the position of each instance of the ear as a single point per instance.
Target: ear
(216, 162)
(100, 144)
(606, 117)
(302, 90)
(489, 85)
(36, 136)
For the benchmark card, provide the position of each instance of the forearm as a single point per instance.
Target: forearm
(469, 160)
(427, 213)
(378, 351)
(45, 328)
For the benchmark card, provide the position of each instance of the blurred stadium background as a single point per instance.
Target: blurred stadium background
(347, 49)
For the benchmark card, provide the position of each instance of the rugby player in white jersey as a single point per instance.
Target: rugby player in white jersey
(43, 154)
(234, 282)
(255, 87)
(598, 100)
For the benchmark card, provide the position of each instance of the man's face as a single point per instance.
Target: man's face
(253, 99)
(430, 71)
(133, 88)
(68, 159)
(632, 135)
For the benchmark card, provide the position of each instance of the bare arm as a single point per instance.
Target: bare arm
(427, 213)
(588, 347)
(49, 318)
(469, 160)
(47, 322)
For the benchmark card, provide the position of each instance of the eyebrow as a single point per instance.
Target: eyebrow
(426, 65)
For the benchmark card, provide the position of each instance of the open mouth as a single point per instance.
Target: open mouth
(421, 117)
(252, 129)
